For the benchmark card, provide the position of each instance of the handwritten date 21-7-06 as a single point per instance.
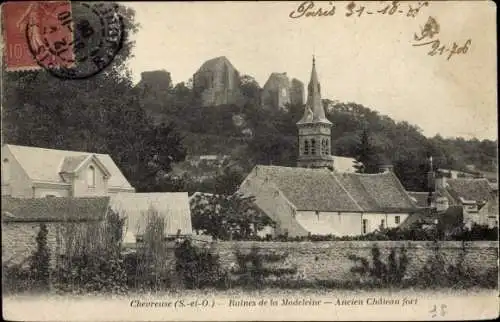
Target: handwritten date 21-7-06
(426, 38)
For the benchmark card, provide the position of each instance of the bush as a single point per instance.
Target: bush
(254, 267)
(389, 274)
(199, 268)
(92, 261)
(40, 260)
(16, 279)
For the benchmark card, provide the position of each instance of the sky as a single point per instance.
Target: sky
(367, 59)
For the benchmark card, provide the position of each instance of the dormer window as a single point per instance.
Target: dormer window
(91, 176)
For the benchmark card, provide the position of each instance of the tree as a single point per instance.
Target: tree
(228, 182)
(224, 217)
(40, 260)
(366, 156)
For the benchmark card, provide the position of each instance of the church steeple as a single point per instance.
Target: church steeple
(314, 111)
(314, 129)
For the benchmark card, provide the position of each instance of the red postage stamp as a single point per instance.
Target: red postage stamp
(37, 34)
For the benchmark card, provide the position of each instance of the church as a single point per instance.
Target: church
(316, 198)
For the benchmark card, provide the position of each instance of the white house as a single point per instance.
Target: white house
(31, 172)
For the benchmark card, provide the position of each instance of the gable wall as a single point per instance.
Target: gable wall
(81, 187)
(19, 185)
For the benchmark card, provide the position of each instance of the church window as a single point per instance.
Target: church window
(91, 176)
(306, 146)
(327, 146)
(313, 147)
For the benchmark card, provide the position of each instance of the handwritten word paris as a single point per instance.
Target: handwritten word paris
(353, 9)
(428, 37)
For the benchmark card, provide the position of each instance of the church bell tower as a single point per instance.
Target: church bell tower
(314, 129)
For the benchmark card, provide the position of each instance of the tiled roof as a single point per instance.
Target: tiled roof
(45, 164)
(71, 163)
(383, 190)
(54, 209)
(172, 206)
(324, 190)
(469, 189)
(420, 198)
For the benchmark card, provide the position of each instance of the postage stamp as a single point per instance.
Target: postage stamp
(71, 40)
(249, 161)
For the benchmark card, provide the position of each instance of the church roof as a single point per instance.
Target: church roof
(314, 111)
(324, 190)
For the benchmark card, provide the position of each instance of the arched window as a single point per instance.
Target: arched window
(306, 146)
(6, 170)
(327, 146)
(91, 176)
(323, 146)
(313, 147)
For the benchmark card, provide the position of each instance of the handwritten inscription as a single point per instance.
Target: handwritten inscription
(441, 311)
(426, 38)
(309, 9)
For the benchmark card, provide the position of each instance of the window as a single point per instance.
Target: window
(283, 92)
(397, 219)
(382, 223)
(313, 147)
(306, 146)
(317, 214)
(365, 226)
(91, 176)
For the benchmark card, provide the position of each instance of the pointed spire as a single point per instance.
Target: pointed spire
(314, 102)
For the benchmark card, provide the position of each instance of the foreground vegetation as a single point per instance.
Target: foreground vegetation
(94, 262)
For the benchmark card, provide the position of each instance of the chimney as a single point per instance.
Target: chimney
(386, 168)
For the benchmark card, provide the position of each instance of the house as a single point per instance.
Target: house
(217, 82)
(321, 202)
(472, 194)
(171, 207)
(65, 218)
(31, 172)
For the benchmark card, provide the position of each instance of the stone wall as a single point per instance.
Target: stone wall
(329, 260)
(19, 239)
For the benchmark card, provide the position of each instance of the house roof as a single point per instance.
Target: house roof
(45, 165)
(172, 206)
(324, 190)
(54, 209)
(420, 198)
(469, 189)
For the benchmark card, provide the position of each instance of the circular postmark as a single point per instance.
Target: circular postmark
(75, 40)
